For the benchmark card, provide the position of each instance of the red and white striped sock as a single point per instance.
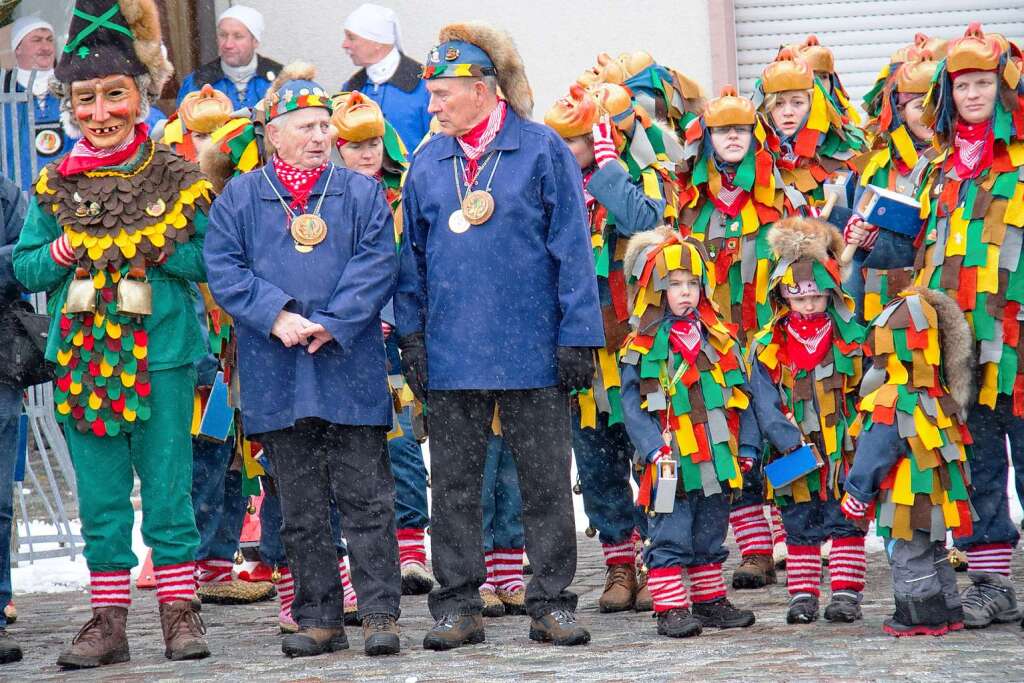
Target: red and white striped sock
(175, 582)
(285, 589)
(213, 571)
(619, 553)
(847, 565)
(508, 569)
(803, 569)
(411, 548)
(992, 557)
(110, 589)
(488, 584)
(346, 581)
(750, 527)
(706, 582)
(778, 528)
(667, 589)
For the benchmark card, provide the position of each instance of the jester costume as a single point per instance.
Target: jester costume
(910, 472)
(973, 200)
(898, 162)
(685, 401)
(811, 365)
(630, 187)
(114, 236)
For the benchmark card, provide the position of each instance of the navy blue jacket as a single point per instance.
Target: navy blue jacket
(255, 272)
(213, 73)
(403, 98)
(766, 402)
(497, 300)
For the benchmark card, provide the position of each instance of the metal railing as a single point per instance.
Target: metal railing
(47, 493)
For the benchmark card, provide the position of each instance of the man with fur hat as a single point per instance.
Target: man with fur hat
(304, 278)
(911, 471)
(498, 300)
(238, 71)
(114, 235)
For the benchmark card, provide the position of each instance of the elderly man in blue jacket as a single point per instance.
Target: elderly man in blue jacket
(498, 299)
(301, 255)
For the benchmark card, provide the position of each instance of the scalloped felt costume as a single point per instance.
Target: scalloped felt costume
(874, 97)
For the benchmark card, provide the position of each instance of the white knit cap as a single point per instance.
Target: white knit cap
(249, 17)
(376, 23)
(24, 26)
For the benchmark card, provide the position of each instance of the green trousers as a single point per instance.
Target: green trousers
(159, 450)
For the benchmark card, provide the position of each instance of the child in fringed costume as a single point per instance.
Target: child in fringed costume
(883, 263)
(685, 398)
(815, 139)
(973, 200)
(808, 359)
(628, 163)
(730, 197)
(911, 472)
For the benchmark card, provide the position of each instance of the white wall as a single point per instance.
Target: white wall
(556, 39)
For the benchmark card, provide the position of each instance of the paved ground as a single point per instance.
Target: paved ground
(625, 646)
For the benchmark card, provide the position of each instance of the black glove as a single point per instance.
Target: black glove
(414, 363)
(575, 367)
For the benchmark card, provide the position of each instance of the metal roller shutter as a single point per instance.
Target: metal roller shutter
(861, 33)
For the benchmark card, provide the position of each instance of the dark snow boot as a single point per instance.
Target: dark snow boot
(803, 609)
(919, 617)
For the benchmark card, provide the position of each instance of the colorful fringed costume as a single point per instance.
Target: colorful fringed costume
(910, 472)
(685, 400)
(812, 364)
(970, 249)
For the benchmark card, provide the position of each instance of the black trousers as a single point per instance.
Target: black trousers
(535, 424)
(314, 463)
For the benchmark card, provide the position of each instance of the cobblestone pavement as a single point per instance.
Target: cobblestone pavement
(246, 646)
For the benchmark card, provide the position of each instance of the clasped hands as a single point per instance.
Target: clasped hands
(293, 329)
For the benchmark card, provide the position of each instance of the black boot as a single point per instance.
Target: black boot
(803, 609)
(917, 617)
(721, 614)
(844, 607)
(678, 623)
(10, 651)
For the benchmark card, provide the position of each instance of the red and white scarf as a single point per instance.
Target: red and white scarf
(475, 142)
(298, 181)
(730, 198)
(808, 338)
(685, 337)
(85, 156)
(975, 147)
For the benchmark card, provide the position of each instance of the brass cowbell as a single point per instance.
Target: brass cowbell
(81, 293)
(135, 294)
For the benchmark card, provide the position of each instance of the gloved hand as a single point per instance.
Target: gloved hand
(858, 232)
(853, 508)
(604, 143)
(575, 367)
(414, 363)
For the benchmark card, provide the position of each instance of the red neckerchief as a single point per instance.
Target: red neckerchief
(808, 339)
(475, 142)
(84, 156)
(730, 198)
(685, 337)
(298, 181)
(975, 146)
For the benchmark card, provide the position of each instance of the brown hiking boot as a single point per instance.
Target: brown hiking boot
(453, 630)
(102, 640)
(183, 631)
(493, 606)
(513, 601)
(380, 635)
(619, 588)
(235, 592)
(311, 641)
(559, 627)
(755, 571)
(644, 602)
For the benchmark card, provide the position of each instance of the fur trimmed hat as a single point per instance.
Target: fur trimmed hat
(109, 37)
(458, 54)
(807, 251)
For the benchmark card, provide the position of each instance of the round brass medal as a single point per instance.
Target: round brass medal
(457, 222)
(308, 229)
(478, 206)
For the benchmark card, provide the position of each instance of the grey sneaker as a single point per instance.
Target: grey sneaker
(990, 599)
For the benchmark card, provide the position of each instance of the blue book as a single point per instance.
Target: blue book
(890, 211)
(219, 417)
(790, 467)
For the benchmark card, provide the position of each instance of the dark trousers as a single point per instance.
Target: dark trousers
(752, 492)
(316, 462)
(693, 534)
(535, 425)
(990, 472)
(217, 499)
(815, 521)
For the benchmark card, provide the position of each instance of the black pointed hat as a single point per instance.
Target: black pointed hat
(110, 37)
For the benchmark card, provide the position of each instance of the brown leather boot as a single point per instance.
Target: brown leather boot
(755, 571)
(619, 588)
(644, 602)
(102, 640)
(183, 631)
